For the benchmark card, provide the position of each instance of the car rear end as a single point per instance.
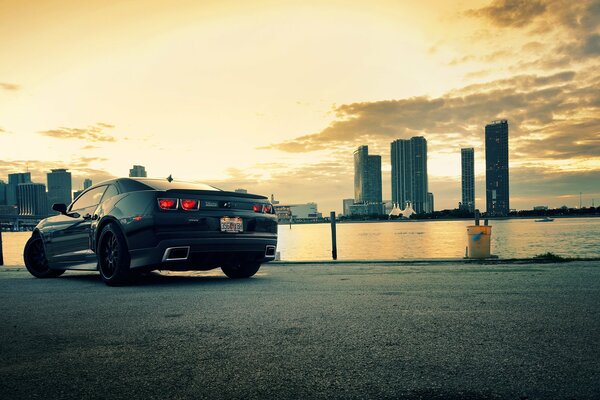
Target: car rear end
(205, 229)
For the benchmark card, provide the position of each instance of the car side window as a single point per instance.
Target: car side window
(111, 191)
(89, 198)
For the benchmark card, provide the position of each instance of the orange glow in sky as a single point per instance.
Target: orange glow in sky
(274, 96)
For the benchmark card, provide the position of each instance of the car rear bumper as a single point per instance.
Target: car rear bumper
(204, 253)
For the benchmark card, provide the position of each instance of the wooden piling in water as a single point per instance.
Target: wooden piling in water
(333, 237)
(1, 255)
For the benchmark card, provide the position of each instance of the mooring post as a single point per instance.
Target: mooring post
(333, 237)
(1, 256)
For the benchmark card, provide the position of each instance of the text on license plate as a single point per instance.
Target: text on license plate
(232, 224)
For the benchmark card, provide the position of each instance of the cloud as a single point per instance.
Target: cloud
(551, 34)
(93, 133)
(9, 86)
(516, 13)
(539, 108)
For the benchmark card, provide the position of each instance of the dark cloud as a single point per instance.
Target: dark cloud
(94, 133)
(515, 13)
(555, 105)
(591, 45)
(9, 86)
(564, 32)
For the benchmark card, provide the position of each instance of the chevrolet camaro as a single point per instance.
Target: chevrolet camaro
(125, 226)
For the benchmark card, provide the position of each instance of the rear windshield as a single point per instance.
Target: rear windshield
(163, 184)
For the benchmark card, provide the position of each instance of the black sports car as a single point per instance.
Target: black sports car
(126, 225)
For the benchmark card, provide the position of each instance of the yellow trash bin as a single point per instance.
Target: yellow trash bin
(479, 241)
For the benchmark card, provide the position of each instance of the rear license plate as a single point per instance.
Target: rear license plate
(232, 224)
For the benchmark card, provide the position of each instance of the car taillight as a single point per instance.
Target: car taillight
(263, 208)
(167, 204)
(189, 204)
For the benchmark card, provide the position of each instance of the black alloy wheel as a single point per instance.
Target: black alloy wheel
(241, 270)
(36, 261)
(113, 256)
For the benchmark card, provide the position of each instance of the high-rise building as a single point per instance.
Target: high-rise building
(402, 176)
(12, 194)
(59, 188)
(32, 199)
(87, 183)
(367, 176)
(3, 186)
(467, 157)
(496, 169)
(409, 172)
(138, 171)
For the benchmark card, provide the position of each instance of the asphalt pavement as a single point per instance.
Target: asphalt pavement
(425, 331)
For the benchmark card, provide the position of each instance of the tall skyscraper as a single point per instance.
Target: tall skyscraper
(402, 176)
(409, 172)
(59, 188)
(32, 199)
(496, 168)
(467, 157)
(3, 186)
(12, 194)
(138, 171)
(87, 183)
(367, 176)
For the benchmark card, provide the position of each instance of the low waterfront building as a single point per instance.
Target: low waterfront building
(306, 211)
(346, 203)
(366, 209)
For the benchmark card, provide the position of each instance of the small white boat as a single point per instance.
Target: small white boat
(545, 219)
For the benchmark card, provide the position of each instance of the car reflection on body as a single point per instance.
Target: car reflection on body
(129, 225)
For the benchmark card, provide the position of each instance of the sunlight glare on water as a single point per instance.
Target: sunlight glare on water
(521, 238)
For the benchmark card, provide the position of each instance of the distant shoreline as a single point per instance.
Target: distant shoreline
(349, 221)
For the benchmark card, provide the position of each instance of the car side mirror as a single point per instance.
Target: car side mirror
(61, 208)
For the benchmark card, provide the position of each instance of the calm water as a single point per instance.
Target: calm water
(431, 239)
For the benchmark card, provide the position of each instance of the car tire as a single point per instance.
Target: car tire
(241, 270)
(113, 256)
(36, 261)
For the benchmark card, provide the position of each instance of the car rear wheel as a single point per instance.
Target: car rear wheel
(241, 270)
(113, 256)
(36, 261)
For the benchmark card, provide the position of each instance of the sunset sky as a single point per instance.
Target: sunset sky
(273, 96)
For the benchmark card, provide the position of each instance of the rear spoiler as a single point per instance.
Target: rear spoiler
(218, 193)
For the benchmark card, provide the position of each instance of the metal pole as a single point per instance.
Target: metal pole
(333, 237)
(476, 217)
(1, 256)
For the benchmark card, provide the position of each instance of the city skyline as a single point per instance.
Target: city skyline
(321, 79)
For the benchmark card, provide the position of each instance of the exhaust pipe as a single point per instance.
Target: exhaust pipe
(270, 251)
(176, 253)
